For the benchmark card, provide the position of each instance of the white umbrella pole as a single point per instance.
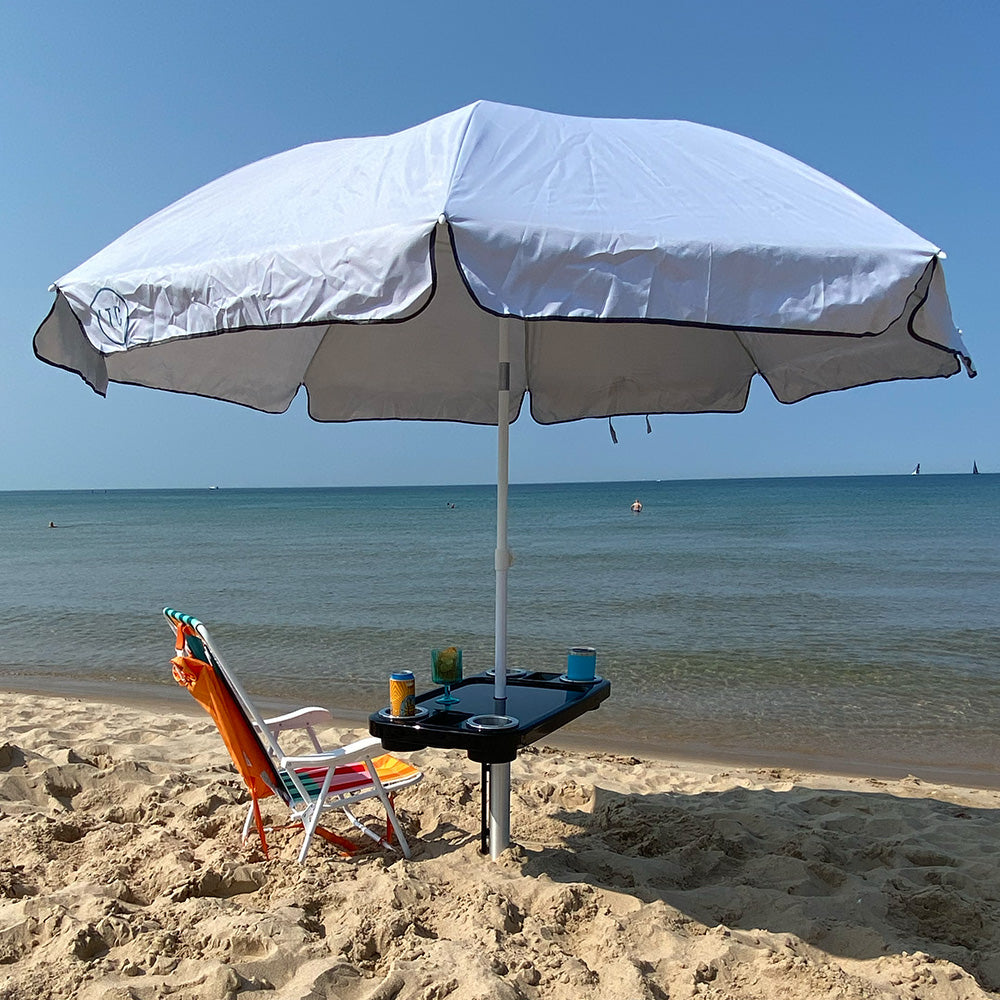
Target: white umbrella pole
(502, 556)
(499, 816)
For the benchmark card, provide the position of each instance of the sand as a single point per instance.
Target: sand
(122, 876)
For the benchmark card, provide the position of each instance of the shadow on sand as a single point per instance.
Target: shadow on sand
(855, 874)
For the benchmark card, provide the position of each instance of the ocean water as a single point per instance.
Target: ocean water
(841, 622)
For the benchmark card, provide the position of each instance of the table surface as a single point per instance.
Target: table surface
(541, 703)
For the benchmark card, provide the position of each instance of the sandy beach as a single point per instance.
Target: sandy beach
(122, 876)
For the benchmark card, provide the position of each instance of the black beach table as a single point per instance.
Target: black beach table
(540, 703)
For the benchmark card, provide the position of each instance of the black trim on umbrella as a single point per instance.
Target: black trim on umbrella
(220, 331)
(970, 367)
(697, 324)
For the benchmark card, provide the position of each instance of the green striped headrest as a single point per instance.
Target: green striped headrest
(194, 643)
(179, 616)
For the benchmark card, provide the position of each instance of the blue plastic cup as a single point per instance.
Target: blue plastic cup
(581, 663)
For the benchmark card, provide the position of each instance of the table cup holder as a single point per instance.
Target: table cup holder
(487, 723)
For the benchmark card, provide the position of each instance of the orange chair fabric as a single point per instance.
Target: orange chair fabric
(252, 762)
(242, 743)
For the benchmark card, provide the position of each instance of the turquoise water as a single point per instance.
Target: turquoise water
(850, 620)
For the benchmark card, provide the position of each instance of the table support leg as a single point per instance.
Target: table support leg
(484, 829)
(499, 795)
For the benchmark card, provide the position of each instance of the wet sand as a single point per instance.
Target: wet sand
(603, 731)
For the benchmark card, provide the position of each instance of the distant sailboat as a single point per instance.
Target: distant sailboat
(916, 471)
(975, 468)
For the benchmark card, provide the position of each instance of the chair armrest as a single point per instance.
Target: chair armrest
(359, 750)
(299, 719)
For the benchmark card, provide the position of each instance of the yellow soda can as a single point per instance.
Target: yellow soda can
(402, 694)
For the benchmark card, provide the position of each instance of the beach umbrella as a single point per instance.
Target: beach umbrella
(600, 267)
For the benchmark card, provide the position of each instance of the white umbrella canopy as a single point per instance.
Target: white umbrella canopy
(605, 266)
(654, 266)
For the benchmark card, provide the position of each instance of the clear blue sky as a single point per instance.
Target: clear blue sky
(110, 111)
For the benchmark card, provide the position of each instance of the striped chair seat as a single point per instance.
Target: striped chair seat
(392, 773)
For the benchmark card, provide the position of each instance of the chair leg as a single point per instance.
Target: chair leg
(246, 825)
(391, 819)
(255, 809)
(367, 831)
(309, 828)
(392, 823)
(311, 819)
(390, 830)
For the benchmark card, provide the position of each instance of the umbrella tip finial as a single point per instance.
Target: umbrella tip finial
(442, 220)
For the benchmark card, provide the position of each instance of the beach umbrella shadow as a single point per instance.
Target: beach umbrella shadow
(854, 874)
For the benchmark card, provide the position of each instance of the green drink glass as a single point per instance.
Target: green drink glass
(446, 669)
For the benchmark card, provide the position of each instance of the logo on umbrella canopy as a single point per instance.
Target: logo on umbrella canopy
(112, 314)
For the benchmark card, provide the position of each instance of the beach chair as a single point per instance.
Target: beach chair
(308, 784)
